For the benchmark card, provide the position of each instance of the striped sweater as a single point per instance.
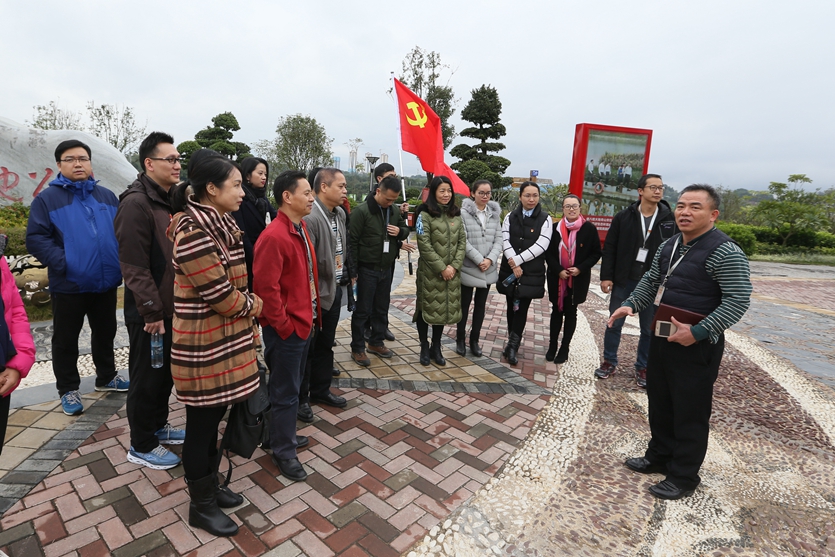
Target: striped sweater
(213, 359)
(727, 265)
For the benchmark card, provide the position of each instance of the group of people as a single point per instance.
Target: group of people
(211, 268)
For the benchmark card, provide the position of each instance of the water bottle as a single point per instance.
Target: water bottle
(509, 280)
(516, 304)
(156, 350)
(354, 287)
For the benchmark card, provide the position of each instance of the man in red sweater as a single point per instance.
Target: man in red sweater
(285, 276)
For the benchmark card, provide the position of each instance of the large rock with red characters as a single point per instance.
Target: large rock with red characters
(27, 161)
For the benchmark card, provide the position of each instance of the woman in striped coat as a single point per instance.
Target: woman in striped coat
(213, 360)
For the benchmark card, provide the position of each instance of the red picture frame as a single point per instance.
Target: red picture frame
(605, 191)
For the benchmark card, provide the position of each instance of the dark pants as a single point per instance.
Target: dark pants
(318, 369)
(286, 359)
(373, 298)
(200, 446)
(423, 330)
(5, 404)
(478, 311)
(516, 320)
(149, 388)
(680, 393)
(611, 339)
(68, 311)
(567, 315)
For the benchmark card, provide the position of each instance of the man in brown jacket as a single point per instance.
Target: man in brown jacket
(145, 256)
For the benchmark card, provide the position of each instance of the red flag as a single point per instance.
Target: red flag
(421, 135)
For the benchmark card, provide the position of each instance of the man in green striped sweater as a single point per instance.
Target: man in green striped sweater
(702, 271)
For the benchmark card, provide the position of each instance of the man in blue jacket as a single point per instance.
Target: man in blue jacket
(70, 231)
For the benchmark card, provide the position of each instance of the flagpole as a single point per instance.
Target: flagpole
(399, 138)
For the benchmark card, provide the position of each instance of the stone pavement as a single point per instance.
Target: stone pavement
(474, 458)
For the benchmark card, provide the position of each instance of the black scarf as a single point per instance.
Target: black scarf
(258, 197)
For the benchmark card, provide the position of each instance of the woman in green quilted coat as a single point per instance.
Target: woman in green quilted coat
(442, 243)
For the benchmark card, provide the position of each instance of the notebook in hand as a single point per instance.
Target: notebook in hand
(664, 312)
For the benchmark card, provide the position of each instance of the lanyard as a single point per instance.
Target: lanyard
(334, 219)
(672, 266)
(388, 216)
(647, 231)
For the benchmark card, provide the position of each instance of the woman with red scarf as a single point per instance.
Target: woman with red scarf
(574, 250)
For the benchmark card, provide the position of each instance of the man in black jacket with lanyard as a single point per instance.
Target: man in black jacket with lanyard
(631, 243)
(704, 275)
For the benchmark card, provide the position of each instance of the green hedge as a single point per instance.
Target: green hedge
(742, 234)
(13, 220)
(777, 249)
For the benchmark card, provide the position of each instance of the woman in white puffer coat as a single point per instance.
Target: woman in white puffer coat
(483, 223)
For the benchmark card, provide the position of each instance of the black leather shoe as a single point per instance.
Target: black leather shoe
(551, 353)
(389, 335)
(436, 355)
(667, 490)
(302, 441)
(475, 349)
(460, 347)
(424, 354)
(290, 468)
(305, 413)
(642, 465)
(330, 399)
(562, 355)
(335, 372)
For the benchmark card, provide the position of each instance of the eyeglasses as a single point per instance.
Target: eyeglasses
(655, 188)
(170, 160)
(70, 160)
(483, 193)
(570, 207)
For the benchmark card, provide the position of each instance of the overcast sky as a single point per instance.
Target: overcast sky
(737, 93)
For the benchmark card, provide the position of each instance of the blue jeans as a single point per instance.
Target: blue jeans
(611, 340)
(286, 359)
(373, 298)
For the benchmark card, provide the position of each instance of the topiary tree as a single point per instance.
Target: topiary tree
(219, 138)
(483, 110)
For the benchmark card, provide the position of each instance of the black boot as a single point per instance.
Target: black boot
(435, 353)
(552, 351)
(460, 345)
(512, 349)
(562, 355)
(424, 353)
(203, 511)
(475, 349)
(226, 498)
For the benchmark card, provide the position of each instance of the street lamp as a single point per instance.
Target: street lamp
(371, 160)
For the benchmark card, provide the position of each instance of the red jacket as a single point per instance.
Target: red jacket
(280, 278)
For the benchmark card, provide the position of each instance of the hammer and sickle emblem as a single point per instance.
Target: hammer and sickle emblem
(420, 116)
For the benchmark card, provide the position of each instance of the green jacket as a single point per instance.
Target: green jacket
(367, 233)
(441, 241)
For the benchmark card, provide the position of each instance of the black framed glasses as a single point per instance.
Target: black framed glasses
(170, 160)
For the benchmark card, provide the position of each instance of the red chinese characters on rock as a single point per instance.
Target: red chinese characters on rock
(10, 180)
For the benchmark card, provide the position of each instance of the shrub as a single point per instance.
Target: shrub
(742, 235)
(825, 240)
(412, 193)
(14, 215)
(17, 240)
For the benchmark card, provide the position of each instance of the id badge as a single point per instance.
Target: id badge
(659, 296)
(386, 246)
(642, 255)
(339, 265)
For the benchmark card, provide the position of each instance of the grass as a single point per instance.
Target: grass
(37, 313)
(798, 258)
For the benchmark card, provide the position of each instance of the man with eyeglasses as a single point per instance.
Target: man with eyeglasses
(145, 254)
(70, 230)
(631, 243)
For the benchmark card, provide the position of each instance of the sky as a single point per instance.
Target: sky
(737, 92)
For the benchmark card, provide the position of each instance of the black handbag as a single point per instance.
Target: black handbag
(248, 426)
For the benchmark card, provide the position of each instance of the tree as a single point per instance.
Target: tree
(791, 209)
(422, 74)
(219, 138)
(52, 117)
(483, 110)
(731, 208)
(116, 125)
(300, 144)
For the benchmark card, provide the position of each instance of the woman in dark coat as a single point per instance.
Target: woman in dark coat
(574, 250)
(526, 234)
(256, 212)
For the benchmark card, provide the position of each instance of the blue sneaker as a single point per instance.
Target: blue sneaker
(158, 459)
(71, 403)
(171, 435)
(119, 384)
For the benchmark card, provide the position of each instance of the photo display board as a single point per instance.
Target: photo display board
(605, 168)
